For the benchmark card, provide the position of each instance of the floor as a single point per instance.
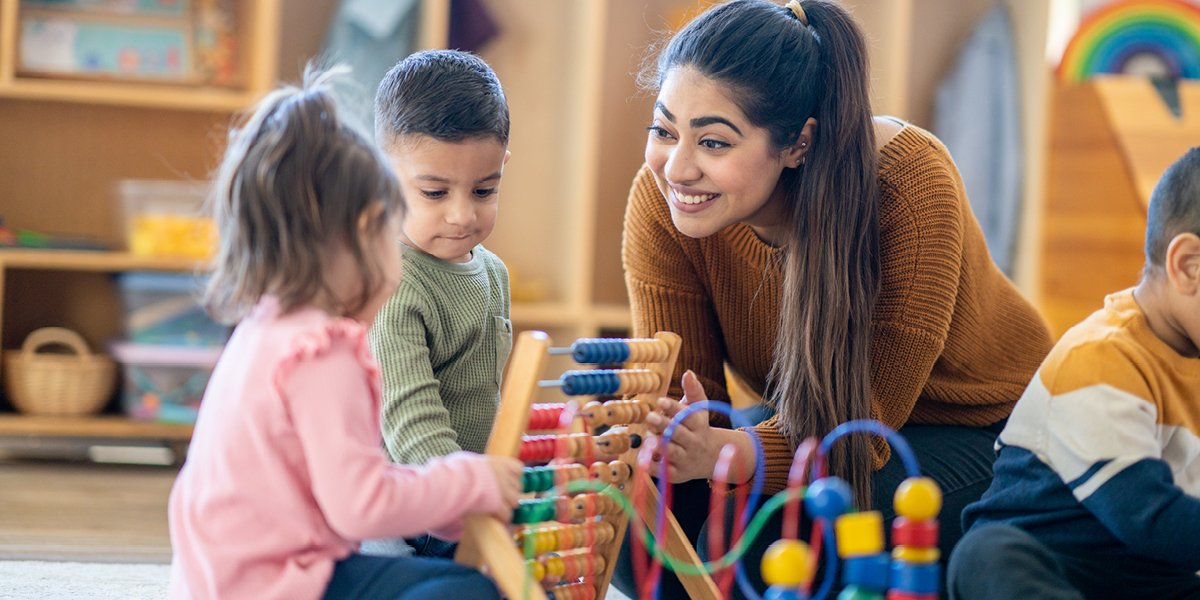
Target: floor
(78, 511)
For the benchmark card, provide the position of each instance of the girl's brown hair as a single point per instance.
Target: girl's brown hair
(781, 72)
(294, 182)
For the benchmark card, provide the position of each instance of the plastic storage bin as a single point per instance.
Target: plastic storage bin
(163, 383)
(168, 218)
(164, 308)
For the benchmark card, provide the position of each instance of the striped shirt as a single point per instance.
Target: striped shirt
(1102, 452)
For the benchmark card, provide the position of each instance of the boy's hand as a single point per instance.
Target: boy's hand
(508, 473)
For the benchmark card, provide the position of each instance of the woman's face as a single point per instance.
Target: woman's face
(714, 168)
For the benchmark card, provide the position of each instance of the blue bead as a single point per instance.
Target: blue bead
(778, 592)
(827, 498)
(867, 572)
(915, 578)
(599, 351)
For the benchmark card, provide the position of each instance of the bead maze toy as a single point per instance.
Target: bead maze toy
(582, 464)
(855, 539)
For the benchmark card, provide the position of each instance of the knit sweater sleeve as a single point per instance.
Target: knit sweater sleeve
(667, 294)
(416, 423)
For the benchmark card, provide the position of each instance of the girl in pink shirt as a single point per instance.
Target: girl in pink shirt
(286, 472)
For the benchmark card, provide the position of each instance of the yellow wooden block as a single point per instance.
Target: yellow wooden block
(859, 534)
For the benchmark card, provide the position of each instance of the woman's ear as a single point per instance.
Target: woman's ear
(793, 156)
(1182, 263)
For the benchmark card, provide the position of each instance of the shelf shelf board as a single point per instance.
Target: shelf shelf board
(175, 97)
(106, 426)
(78, 260)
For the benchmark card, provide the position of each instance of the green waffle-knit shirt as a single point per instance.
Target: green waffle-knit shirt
(441, 341)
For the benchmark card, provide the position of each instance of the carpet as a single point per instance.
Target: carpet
(38, 580)
(41, 580)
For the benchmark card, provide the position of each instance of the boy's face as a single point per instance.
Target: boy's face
(452, 190)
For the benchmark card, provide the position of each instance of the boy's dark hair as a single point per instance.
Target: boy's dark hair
(1174, 207)
(448, 95)
(294, 180)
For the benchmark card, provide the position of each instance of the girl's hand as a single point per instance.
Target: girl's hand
(693, 450)
(508, 472)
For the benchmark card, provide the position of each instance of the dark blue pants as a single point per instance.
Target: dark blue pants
(959, 459)
(997, 561)
(406, 578)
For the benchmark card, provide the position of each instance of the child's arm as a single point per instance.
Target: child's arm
(1104, 441)
(331, 403)
(415, 422)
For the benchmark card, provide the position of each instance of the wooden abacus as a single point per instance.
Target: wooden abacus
(576, 545)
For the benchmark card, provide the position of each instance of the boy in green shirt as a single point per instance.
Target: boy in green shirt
(443, 338)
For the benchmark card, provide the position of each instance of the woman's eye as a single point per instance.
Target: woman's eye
(485, 192)
(715, 144)
(658, 132)
(434, 194)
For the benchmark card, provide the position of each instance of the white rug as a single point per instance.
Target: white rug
(37, 580)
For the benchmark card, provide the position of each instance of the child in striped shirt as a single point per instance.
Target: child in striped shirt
(1097, 487)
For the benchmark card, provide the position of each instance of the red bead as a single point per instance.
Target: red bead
(914, 533)
(898, 595)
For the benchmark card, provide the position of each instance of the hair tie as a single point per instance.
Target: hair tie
(794, 6)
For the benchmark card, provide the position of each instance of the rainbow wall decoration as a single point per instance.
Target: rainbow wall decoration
(1159, 37)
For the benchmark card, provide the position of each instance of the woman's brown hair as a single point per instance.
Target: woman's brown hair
(782, 71)
(295, 181)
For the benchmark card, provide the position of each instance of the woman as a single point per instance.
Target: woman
(829, 257)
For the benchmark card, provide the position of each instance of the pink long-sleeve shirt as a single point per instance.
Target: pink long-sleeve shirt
(286, 472)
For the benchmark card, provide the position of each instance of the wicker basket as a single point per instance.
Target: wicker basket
(55, 384)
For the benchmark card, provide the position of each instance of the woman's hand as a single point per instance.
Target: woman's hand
(693, 450)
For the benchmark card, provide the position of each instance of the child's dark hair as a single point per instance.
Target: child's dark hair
(448, 95)
(782, 67)
(1174, 208)
(295, 179)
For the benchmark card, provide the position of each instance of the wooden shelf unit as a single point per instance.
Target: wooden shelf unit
(98, 427)
(59, 265)
(258, 47)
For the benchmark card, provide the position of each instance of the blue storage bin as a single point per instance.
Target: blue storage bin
(164, 308)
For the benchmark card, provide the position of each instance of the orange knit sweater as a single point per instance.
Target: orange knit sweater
(954, 341)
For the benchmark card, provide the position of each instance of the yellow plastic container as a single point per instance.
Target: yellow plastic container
(168, 219)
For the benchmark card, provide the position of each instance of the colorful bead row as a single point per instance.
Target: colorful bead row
(614, 412)
(545, 417)
(554, 567)
(553, 538)
(540, 479)
(611, 351)
(564, 508)
(543, 448)
(608, 382)
(572, 591)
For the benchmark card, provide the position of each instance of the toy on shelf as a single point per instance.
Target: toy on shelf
(568, 531)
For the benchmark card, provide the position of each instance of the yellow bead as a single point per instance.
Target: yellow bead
(916, 554)
(918, 498)
(536, 570)
(787, 563)
(859, 534)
